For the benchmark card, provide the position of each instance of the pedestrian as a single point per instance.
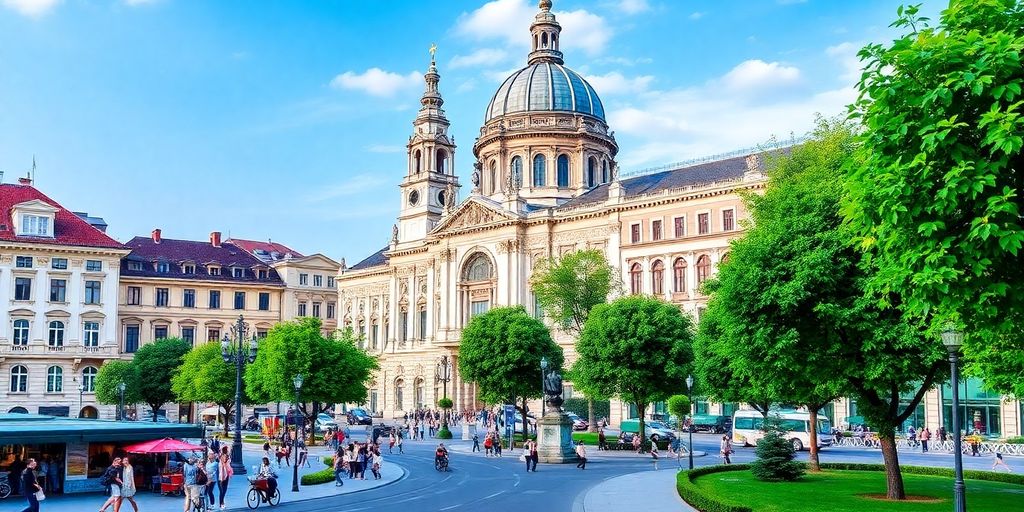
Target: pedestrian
(423, 430)
(497, 445)
(654, 450)
(43, 470)
(212, 471)
(303, 454)
(190, 472)
(975, 440)
(601, 440)
(1000, 462)
(339, 468)
(525, 457)
(30, 486)
(725, 448)
(637, 444)
(911, 436)
(488, 445)
(215, 446)
(112, 478)
(377, 460)
(924, 436)
(53, 478)
(361, 461)
(266, 449)
(941, 431)
(391, 442)
(398, 441)
(534, 456)
(476, 442)
(127, 484)
(266, 472)
(224, 474)
(581, 452)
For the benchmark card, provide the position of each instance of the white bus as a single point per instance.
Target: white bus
(747, 423)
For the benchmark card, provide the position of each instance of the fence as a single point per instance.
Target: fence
(935, 446)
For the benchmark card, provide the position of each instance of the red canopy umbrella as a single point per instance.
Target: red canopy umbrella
(165, 445)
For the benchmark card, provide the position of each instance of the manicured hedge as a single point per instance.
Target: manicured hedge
(704, 501)
(320, 477)
(1015, 440)
(970, 474)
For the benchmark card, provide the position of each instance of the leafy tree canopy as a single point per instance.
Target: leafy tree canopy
(204, 377)
(110, 375)
(569, 287)
(156, 363)
(679, 405)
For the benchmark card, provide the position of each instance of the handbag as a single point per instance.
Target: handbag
(522, 458)
(40, 496)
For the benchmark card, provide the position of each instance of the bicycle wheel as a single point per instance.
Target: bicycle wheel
(276, 498)
(5, 490)
(252, 498)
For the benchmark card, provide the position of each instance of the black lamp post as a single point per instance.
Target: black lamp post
(120, 407)
(952, 339)
(233, 350)
(689, 391)
(543, 371)
(443, 374)
(81, 389)
(297, 381)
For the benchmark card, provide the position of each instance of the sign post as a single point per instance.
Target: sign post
(510, 423)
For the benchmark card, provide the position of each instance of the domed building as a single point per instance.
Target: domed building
(544, 183)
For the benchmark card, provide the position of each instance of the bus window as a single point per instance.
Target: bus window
(744, 424)
(793, 425)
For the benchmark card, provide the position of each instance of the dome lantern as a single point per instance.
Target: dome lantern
(545, 32)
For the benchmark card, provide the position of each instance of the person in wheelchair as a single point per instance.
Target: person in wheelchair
(266, 471)
(441, 456)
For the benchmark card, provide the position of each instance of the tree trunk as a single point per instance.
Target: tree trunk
(641, 410)
(526, 424)
(591, 421)
(812, 459)
(893, 478)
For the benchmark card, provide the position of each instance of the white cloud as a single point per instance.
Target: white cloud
(758, 74)
(377, 82)
(483, 56)
(633, 6)
(356, 185)
(584, 30)
(31, 8)
(614, 83)
(385, 148)
(508, 21)
(696, 16)
(845, 54)
(466, 86)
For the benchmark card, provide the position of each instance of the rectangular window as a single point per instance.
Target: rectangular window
(188, 298)
(374, 333)
(302, 309)
(318, 280)
(634, 233)
(163, 268)
(134, 296)
(58, 290)
(134, 265)
(22, 288)
(330, 282)
(189, 334)
(330, 310)
(423, 324)
(59, 263)
(316, 310)
(92, 292)
(264, 301)
(728, 223)
(679, 225)
(23, 262)
(131, 338)
(188, 269)
(214, 271)
(91, 331)
(160, 332)
(213, 334)
(403, 326)
(35, 225)
(239, 300)
(162, 297)
(303, 279)
(656, 230)
(238, 272)
(93, 266)
(478, 307)
(703, 226)
(214, 299)
(263, 274)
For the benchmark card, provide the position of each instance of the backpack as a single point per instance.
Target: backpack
(201, 478)
(107, 478)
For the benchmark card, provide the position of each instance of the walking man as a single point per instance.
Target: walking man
(581, 452)
(476, 442)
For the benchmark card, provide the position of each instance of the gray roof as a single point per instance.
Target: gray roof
(40, 429)
(545, 86)
(374, 260)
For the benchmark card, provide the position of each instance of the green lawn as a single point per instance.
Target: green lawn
(838, 491)
(588, 438)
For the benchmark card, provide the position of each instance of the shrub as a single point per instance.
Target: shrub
(775, 455)
(444, 433)
(679, 405)
(971, 474)
(320, 477)
(445, 403)
(1015, 440)
(699, 498)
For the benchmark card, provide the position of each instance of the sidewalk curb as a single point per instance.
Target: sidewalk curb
(405, 474)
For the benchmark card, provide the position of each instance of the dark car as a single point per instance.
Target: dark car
(359, 417)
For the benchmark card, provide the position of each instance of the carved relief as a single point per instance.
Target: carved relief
(472, 216)
(508, 246)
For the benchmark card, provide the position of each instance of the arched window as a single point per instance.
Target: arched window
(539, 169)
(725, 257)
(604, 171)
(679, 276)
(563, 170)
(493, 185)
(635, 279)
(399, 392)
(56, 333)
(478, 268)
(88, 412)
(417, 161)
(418, 394)
(21, 332)
(703, 268)
(657, 277)
(19, 379)
(89, 379)
(55, 379)
(517, 171)
(544, 40)
(591, 171)
(441, 161)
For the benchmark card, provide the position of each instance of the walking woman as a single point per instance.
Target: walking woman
(377, 461)
(224, 474)
(30, 486)
(128, 484)
(726, 449)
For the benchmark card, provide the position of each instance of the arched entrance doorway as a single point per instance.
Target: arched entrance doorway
(18, 410)
(89, 412)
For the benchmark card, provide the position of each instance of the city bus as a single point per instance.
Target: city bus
(747, 423)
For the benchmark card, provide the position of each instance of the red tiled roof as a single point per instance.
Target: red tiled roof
(251, 246)
(68, 228)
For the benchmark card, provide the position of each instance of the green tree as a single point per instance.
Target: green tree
(501, 350)
(110, 375)
(679, 406)
(334, 370)
(156, 363)
(567, 288)
(774, 462)
(936, 199)
(636, 348)
(204, 377)
(720, 366)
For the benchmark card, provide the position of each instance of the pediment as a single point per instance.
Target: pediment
(36, 205)
(474, 213)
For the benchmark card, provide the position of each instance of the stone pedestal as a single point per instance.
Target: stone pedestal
(554, 439)
(465, 432)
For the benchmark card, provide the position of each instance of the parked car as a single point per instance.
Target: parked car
(358, 416)
(324, 421)
(652, 428)
(578, 423)
(713, 423)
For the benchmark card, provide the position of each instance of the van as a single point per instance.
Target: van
(747, 427)
(651, 428)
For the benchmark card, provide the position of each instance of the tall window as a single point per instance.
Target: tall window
(492, 183)
(563, 170)
(160, 332)
(54, 379)
(301, 309)
(22, 288)
(131, 338)
(56, 338)
(399, 384)
(91, 334)
(728, 223)
(539, 169)
(89, 379)
(58, 290)
(604, 171)
(318, 280)
(703, 224)
(162, 297)
(374, 333)
(478, 307)
(634, 233)
(635, 279)
(679, 276)
(656, 229)
(134, 296)
(478, 268)
(423, 323)
(403, 325)
(330, 281)
(591, 171)
(19, 379)
(658, 277)
(418, 393)
(303, 279)
(316, 310)
(213, 335)
(92, 292)
(239, 300)
(264, 301)
(188, 298)
(214, 299)
(417, 161)
(703, 268)
(517, 172)
(330, 310)
(441, 161)
(188, 334)
(21, 332)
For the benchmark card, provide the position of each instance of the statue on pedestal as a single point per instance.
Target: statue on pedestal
(553, 390)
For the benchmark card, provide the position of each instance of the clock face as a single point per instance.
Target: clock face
(414, 197)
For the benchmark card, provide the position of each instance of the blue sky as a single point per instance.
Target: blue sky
(287, 120)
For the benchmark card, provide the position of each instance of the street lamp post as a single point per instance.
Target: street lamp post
(952, 339)
(120, 407)
(297, 381)
(543, 370)
(443, 373)
(81, 389)
(233, 351)
(689, 391)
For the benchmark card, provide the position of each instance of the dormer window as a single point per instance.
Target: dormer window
(134, 265)
(163, 268)
(188, 268)
(263, 274)
(35, 225)
(238, 272)
(214, 271)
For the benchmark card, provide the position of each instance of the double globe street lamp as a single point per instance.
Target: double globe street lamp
(952, 339)
(233, 350)
(297, 381)
(443, 374)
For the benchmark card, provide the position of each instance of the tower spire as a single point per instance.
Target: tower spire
(545, 32)
(431, 96)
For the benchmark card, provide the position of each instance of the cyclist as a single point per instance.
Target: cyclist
(441, 456)
(266, 471)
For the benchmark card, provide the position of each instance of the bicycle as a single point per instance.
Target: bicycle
(5, 489)
(441, 464)
(258, 490)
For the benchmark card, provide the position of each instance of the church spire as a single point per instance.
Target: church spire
(545, 31)
(431, 96)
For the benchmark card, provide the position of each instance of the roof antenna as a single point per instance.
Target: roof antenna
(33, 169)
